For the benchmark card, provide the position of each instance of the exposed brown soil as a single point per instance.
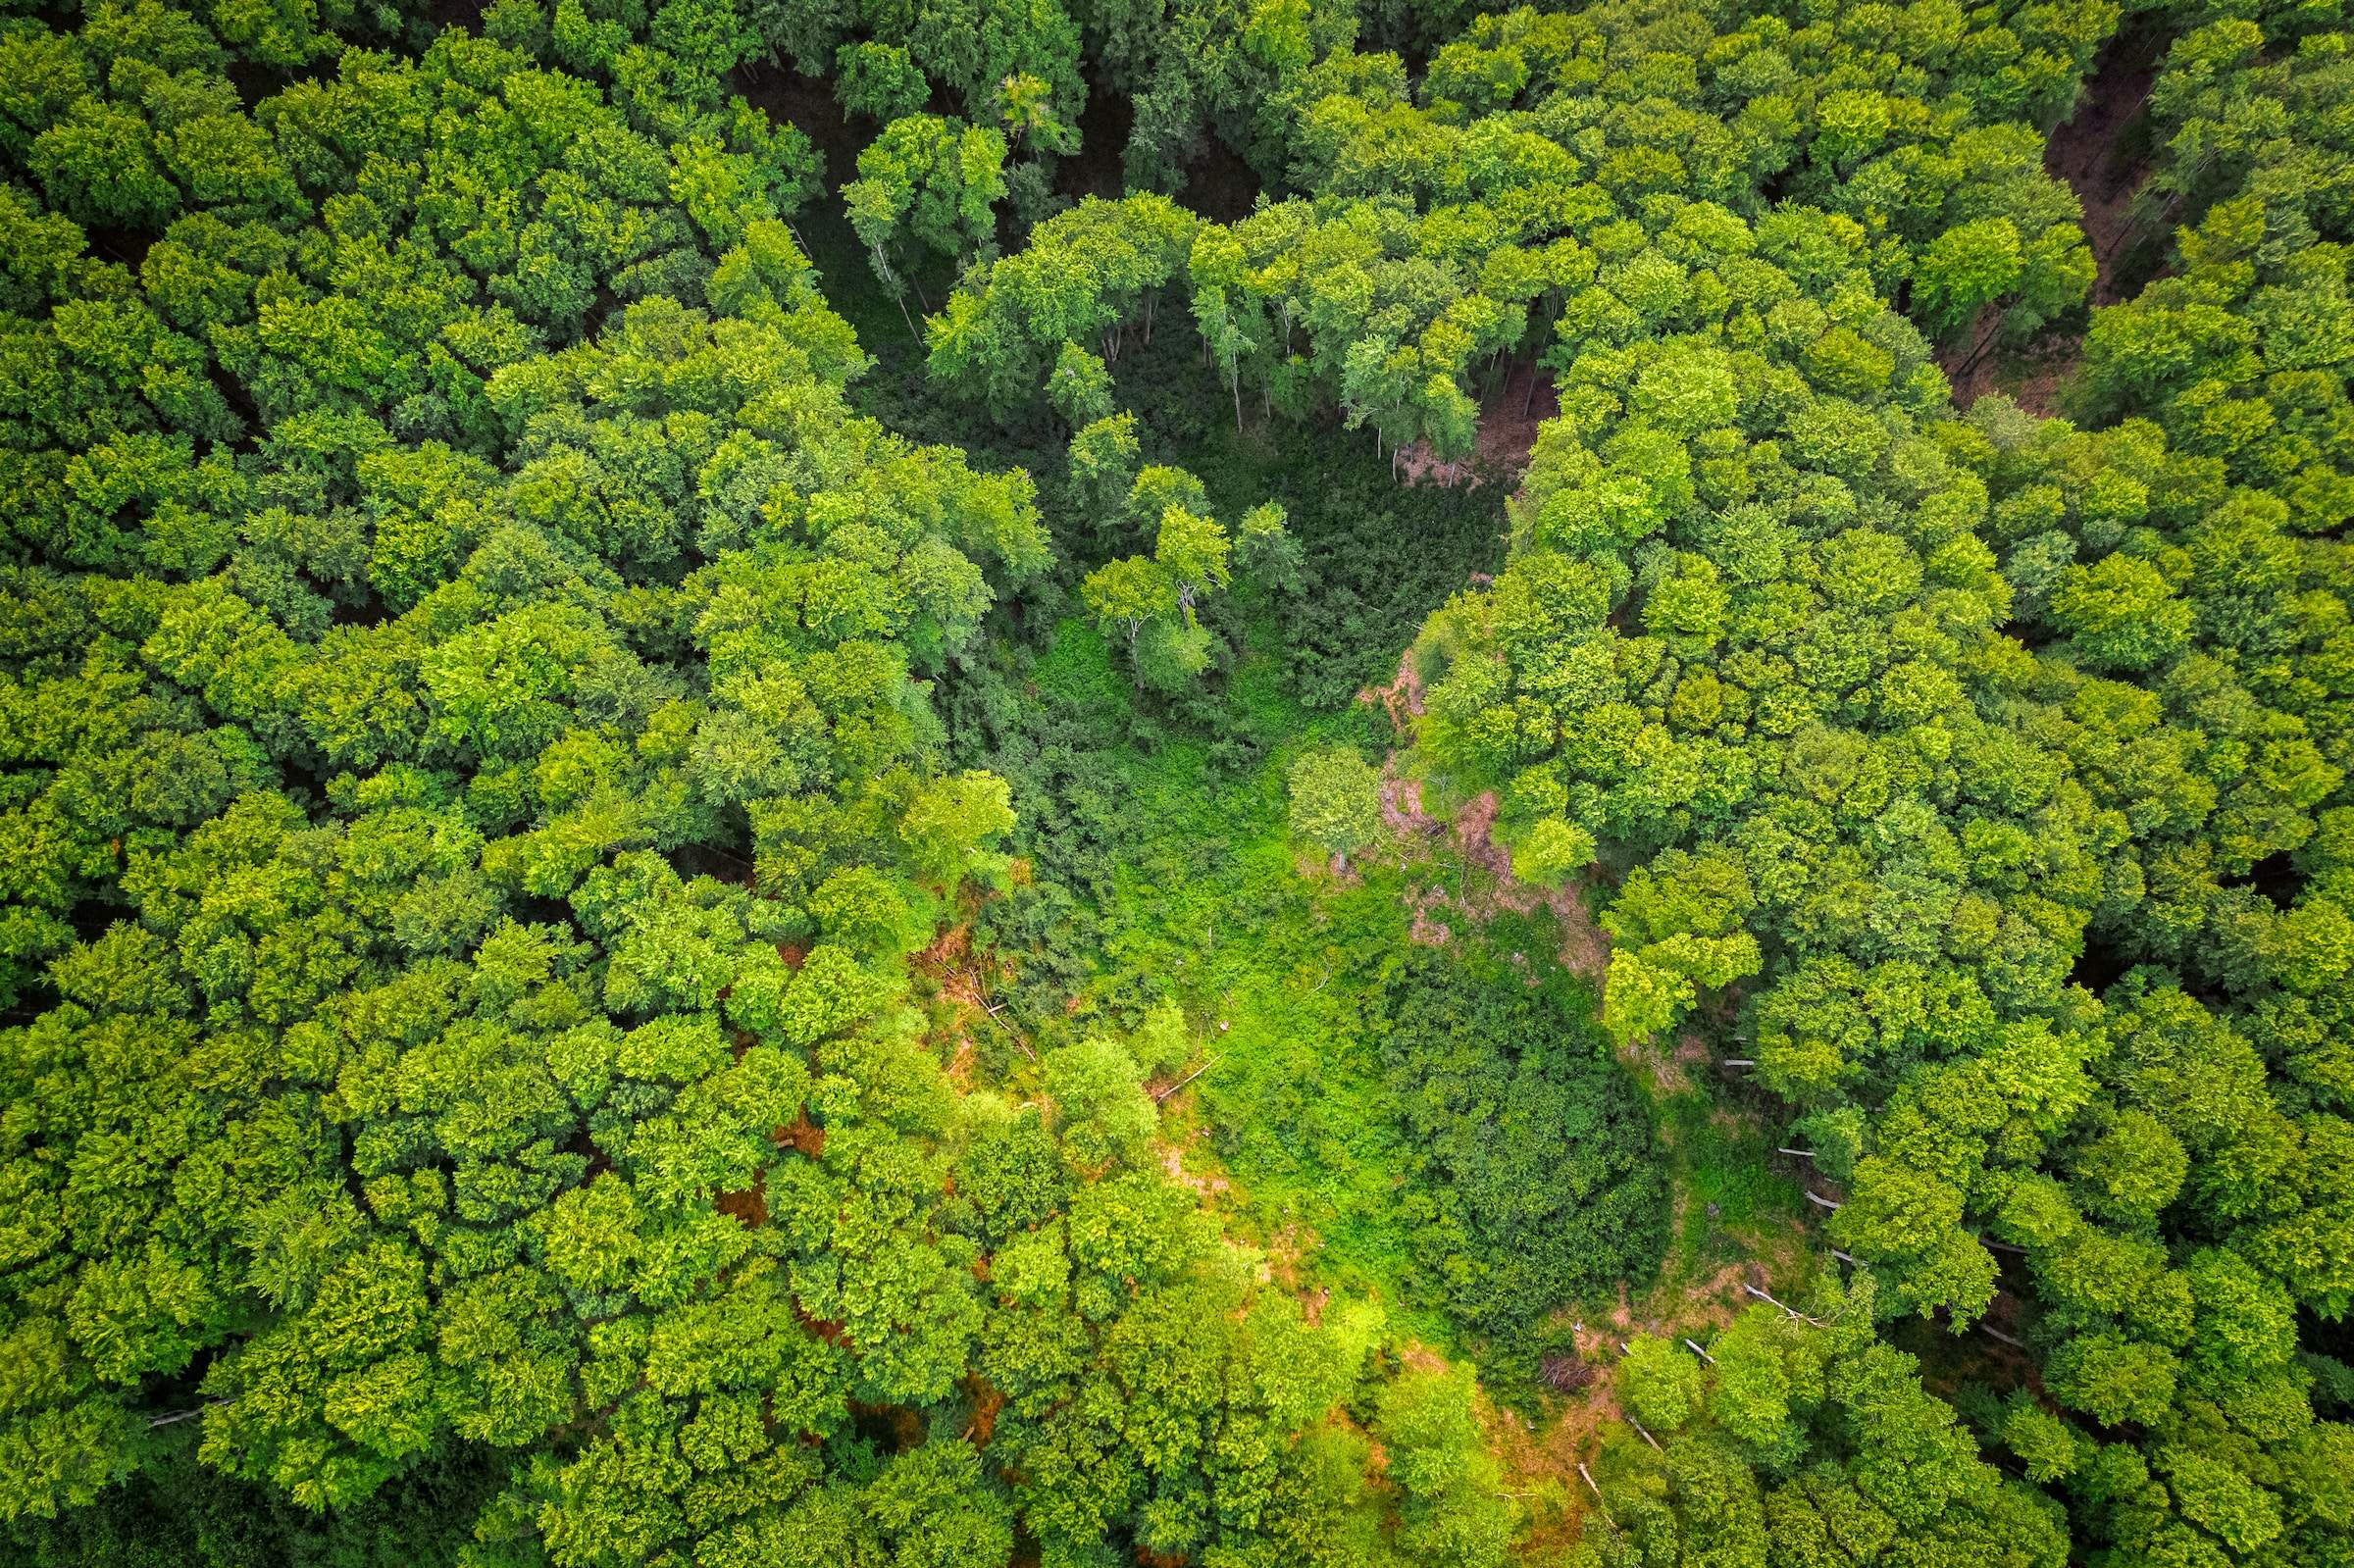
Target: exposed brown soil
(1415, 1356)
(1402, 812)
(750, 1206)
(1717, 1301)
(1585, 946)
(1507, 434)
(1540, 1462)
(2032, 378)
(948, 964)
(804, 1137)
(1585, 949)
(1401, 699)
(2092, 151)
(986, 1402)
(2089, 152)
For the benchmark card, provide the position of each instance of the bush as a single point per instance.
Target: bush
(1536, 1175)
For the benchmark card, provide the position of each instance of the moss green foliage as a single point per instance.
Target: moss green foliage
(1534, 1178)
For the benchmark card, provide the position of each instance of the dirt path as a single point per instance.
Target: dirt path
(2097, 151)
(2091, 152)
(1507, 434)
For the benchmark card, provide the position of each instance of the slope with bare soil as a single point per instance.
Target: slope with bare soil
(2101, 151)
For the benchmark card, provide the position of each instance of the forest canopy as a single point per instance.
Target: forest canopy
(1351, 783)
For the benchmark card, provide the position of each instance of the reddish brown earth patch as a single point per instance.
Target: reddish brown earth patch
(1500, 448)
(1401, 699)
(1585, 949)
(2089, 150)
(804, 1137)
(750, 1206)
(986, 1402)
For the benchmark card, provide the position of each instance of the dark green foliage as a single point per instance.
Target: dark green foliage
(180, 1512)
(1378, 559)
(1535, 1179)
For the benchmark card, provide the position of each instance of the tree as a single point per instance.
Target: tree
(1336, 801)
(1154, 601)
(929, 180)
(1967, 267)
(879, 82)
(1103, 461)
(2121, 614)
(1553, 852)
(1079, 390)
(947, 825)
(511, 781)
(1451, 1511)
(1267, 551)
(1659, 1381)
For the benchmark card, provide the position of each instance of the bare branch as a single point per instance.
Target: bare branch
(1188, 1078)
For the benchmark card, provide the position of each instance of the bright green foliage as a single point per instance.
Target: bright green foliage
(1433, 1455)
(514, 786)
(1104, 463)
(1553, 852)
(1334, 801)
(1079, 390)
(934, 182)
(1660, 1382)
(1495, 215)
(1965, 269)
(1084, 275)
(547, 582)
(1153, 602)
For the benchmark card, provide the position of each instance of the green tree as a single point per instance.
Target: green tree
(1334, 801)
(1659, 1381)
